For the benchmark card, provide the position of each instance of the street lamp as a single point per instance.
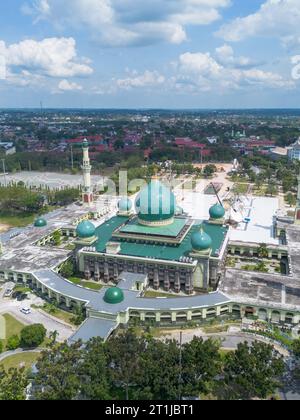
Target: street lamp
(4, 172)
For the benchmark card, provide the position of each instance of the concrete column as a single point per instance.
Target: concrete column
(142, 316)
(174, 316)
(204, 313)
(68, 302)
(218, 311)
(189, 316)
(156, 279)
(269, 314)
(177, 285)
(167, 284)
(157, 317)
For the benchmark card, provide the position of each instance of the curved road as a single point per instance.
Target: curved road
(7, 354)
(230, 341)
(36, 317)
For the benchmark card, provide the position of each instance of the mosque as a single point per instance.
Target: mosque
(151, 243)
(176, 252)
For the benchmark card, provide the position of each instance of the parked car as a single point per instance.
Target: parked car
(8, 292)
(26, 311)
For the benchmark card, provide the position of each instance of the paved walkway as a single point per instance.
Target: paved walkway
(3, 356)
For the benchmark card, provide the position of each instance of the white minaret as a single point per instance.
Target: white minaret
(297, 214)
(87, 195)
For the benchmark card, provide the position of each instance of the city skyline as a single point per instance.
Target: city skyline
(196, 54)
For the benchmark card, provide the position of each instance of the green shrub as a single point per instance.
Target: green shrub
(13, 343)
(33, 336)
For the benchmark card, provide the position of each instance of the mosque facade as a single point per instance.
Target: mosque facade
(176, 252)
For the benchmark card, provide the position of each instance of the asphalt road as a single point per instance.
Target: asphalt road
(13, 307)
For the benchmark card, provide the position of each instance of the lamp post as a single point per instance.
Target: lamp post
(4, 172)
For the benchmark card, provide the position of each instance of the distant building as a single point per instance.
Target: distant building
(278, 153)
(7, 148)
(188, 143)
(294, 151)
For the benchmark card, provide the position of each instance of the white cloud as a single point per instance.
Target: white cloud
(147, 79)
(54, 57)
(129, 22)
(277, 18)
(225, 56)
(67, 86)
(201, 72)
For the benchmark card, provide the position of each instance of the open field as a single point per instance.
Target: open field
(20, 360)
(7, 222)
(12, 326)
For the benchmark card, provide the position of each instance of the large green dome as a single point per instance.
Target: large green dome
(85, 229)
(40, 222)
(114, 295)
(125, 204)
(217, 211)
(156, 203)
(201, 241)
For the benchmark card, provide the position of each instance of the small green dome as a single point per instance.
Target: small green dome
(201, 241)
(85, 143)
(156, 203)
(40, 222)
(125, 204)
(85, 229)
(114, 295)
(217, 211)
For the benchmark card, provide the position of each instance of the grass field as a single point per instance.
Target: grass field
(57, 313)
(13, 327)
(17, 221)
(86, 284)
(153, 294)
(25, 360)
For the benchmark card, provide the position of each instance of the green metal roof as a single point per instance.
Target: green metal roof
(164, 252)
(40, 222)
(86, 229)
(114, 295)
(156, 202)
(172, 230)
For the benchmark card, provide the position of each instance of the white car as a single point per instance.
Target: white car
(26, 311)
(8, 292)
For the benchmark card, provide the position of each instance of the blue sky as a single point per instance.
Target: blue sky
(150, 54)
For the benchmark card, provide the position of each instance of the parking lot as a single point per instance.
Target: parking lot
(13, 307)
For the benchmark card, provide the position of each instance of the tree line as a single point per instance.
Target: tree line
(17, 199)
(142, 368)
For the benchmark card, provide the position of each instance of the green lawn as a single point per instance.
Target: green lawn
(13, 327)
(20, 360)
(87, 284)
(18, 220)
(153, 294)
(240, 188)
(57, 313)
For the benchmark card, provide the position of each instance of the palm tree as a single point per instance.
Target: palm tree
(263, 251)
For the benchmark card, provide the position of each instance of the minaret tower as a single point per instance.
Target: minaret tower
(297, 214)
(87, 195)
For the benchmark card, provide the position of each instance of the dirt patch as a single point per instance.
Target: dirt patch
(4, 227)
